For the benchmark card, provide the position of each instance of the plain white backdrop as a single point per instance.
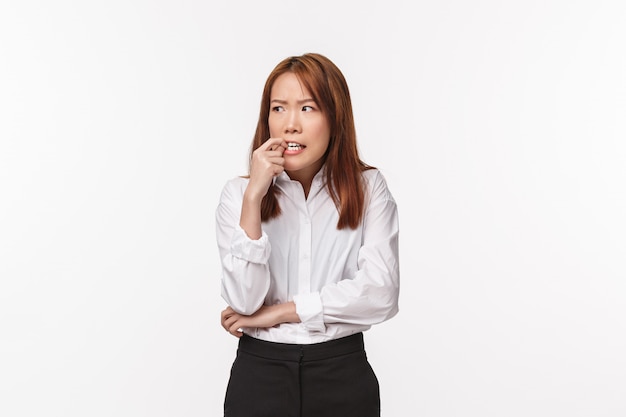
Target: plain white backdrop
(499, 125)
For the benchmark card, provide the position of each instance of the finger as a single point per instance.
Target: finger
(230, 324)
(227, 312)
(235, 323)
(230, 321)
(227, 321)
(277, 152)
(278, 170)
(235, 330)
(281, 147)
(276, 160)
(272, 144)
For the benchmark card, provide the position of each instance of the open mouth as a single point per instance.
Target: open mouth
(292, 146)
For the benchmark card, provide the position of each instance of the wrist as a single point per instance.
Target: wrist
(252, 197)
(250, 220)
(286, 313)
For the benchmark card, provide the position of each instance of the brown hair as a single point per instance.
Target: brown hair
(343, 165)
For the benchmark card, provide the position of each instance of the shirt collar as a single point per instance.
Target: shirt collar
(283, 177)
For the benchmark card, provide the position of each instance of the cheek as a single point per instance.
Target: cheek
(272, 127)
(326, 145)
(322, 130)
(325, 134)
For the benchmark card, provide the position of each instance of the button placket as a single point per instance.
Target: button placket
(304, 256)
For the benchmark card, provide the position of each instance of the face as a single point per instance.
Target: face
(296, 118)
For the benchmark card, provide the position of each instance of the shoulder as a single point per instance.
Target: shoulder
(372, 175)
(234, 188)
(376, 184)
(236, 182)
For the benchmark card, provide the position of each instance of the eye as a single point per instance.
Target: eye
(307, 108)
(278, 108)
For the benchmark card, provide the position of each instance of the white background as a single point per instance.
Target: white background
(501, 129)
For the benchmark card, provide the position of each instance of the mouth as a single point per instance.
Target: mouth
(293, 146)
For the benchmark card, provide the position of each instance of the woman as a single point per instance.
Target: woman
(309, 249)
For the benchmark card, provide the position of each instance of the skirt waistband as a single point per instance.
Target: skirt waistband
(302, 353)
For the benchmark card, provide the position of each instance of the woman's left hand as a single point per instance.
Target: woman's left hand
(233, 322)
(264, 317)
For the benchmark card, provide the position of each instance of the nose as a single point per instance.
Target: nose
(293, 124)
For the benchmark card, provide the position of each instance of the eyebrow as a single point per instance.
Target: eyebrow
(306, 100)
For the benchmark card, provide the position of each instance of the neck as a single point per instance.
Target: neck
(304, 177)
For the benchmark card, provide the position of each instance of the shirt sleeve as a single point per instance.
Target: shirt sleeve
(371, 295)
(245, 272)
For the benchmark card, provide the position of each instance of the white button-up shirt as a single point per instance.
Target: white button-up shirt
(342, 281)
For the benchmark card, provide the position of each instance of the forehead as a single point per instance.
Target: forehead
(288, 85)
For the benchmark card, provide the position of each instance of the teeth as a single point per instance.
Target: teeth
(294, 146)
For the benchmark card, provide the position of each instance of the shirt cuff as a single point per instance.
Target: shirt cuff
(255, 251)
(309, 309)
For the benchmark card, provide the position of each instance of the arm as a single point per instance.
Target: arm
(371, 295)
(243, 247)
(266, 316)
(245, 273)
(267, 162)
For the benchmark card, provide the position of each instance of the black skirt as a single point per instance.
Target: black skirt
(328, 379)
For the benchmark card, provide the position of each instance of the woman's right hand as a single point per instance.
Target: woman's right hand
(267, 162)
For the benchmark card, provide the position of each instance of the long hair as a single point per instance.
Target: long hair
(343, 166)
